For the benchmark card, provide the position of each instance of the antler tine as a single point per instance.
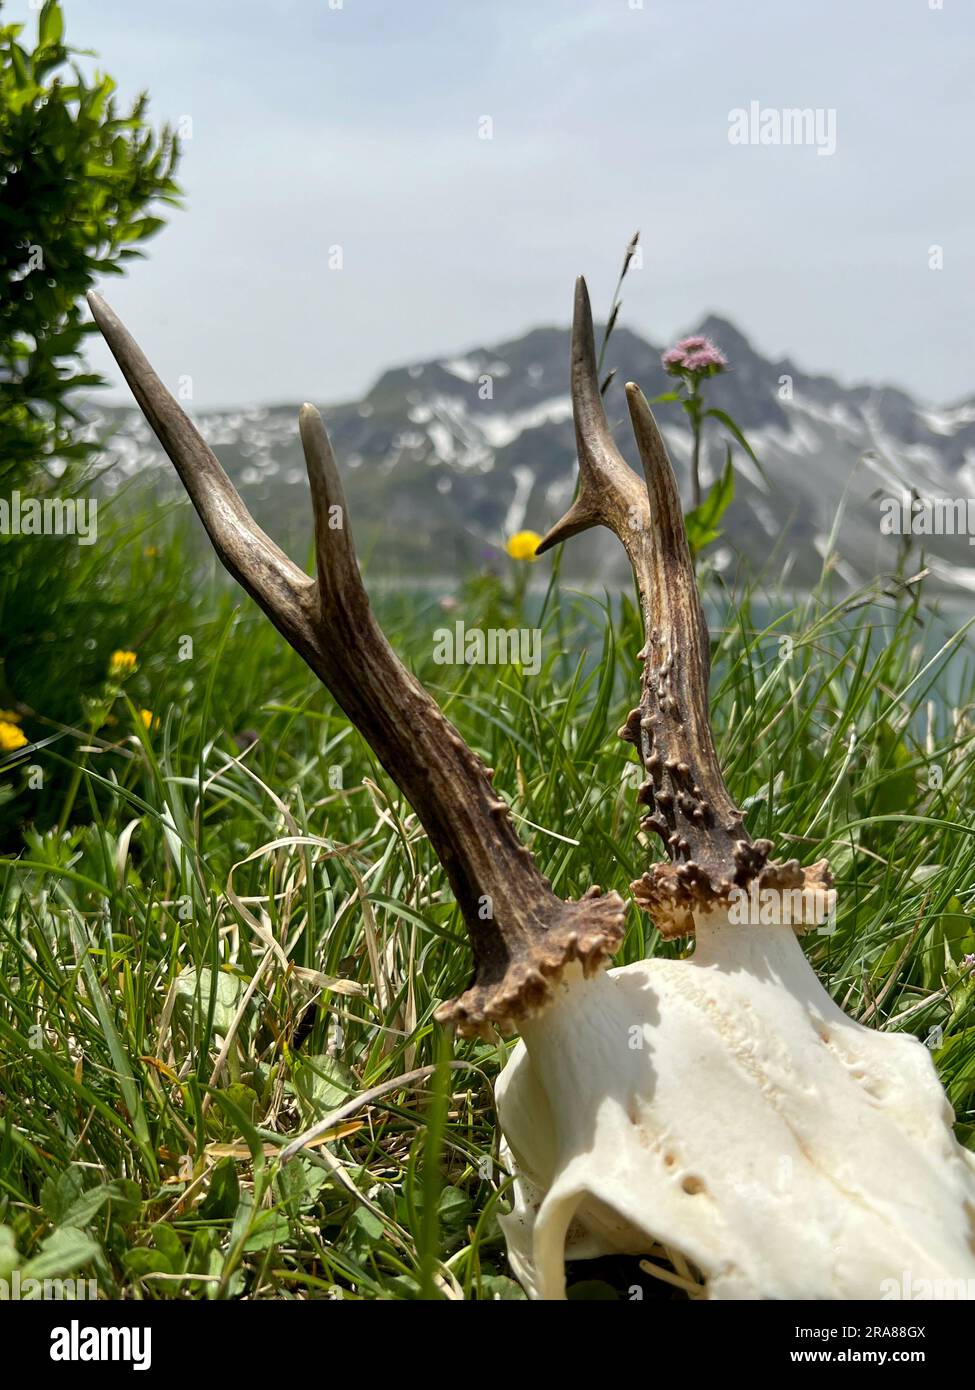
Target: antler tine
(335, 557)
(521, 934)
(610, 493)
(254, 560)
(674, 596)
(690, 807)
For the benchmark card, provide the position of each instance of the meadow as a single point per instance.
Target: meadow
(220, 924)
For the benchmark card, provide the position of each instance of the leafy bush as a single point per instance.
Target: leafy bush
(78, 181)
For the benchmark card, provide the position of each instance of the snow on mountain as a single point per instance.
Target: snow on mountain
(450, 456)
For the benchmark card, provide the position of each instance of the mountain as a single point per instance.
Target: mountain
(445, 458)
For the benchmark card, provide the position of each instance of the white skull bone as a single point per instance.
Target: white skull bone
(725, 1107)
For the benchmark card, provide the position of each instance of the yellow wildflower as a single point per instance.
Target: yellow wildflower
(149, 719)
(10, 716)
(150, 552)
(120, 664)
(10, 737)
(522, 545)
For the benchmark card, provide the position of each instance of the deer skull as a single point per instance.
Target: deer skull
(722, 1105)
(725, 1108)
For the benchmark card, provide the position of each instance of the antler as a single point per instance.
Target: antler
(689, 805)
(521, 934)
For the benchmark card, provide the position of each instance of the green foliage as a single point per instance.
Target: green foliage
(64, 608)
(703, 522)
(79, 179)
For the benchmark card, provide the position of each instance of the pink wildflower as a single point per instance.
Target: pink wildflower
(694, 356)
(705, 358)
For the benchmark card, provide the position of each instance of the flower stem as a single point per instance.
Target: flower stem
(694, 411)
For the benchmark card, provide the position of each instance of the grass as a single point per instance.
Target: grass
(225, 927)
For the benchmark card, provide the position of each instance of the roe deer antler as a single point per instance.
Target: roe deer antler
(521, 934)
(721, 1106)
(690, 807)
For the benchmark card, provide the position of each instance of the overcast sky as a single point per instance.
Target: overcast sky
(360, 126)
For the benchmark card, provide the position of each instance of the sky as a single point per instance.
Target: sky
(375, 182)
